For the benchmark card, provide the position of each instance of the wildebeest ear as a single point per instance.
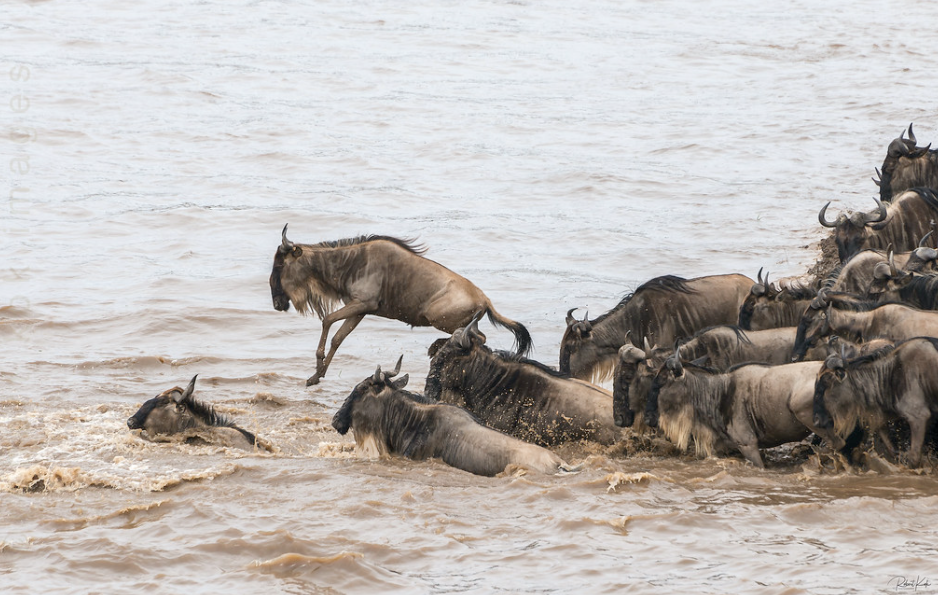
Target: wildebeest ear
(187, 394)
(400, 382)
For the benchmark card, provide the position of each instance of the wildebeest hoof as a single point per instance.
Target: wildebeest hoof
(312, 380)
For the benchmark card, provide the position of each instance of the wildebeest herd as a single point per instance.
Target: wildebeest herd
(723, 362)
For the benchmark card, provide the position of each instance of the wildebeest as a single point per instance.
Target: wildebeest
(890, 284)
(517, 396)
(906, 166)
(175, 411)
(377, 275)
(718, 347)
(893, 383)
(771, 306)
(661, 310)
(745, 408)
(860, 320)
(900, 224)
(386, 419)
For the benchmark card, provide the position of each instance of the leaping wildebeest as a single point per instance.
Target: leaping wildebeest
(900, 224)
(518, 396)
(661, 310)
(899, 383)
(386, 419)
(176, 412)
(378, 275)
(745, 408)
(907, 166)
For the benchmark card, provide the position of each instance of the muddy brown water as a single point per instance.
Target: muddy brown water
(556, 154)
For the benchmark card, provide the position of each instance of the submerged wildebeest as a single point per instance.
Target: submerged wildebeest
(386, 419)
(175, 411)
(377, 275)
(900, 224)
(906, 166)
(661, 310)
(771, 306)
(861, 320)
(746, 408)
(894, 383)
(517, 396)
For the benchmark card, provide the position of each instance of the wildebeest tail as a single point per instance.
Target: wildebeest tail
(523, 343)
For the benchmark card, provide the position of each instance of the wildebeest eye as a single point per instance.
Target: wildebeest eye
(297, 252)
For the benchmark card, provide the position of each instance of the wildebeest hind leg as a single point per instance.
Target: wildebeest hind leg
(353, 314)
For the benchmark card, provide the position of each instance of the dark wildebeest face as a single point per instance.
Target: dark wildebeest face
(365, 404)
(813, 326)
(449, 354)
(631, 375)
(832, 372)
(670, 375)
(577, 350)
(170, 412)
(758, 300)
(905, 166)
(286, 250)
(850, 231)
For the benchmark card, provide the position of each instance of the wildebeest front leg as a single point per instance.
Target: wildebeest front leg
(352, 314)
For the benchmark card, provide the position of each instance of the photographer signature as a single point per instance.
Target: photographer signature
(909, 584)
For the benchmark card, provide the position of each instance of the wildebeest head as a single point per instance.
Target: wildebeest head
(832, 372)
(286, 251)
(850, 231)
(364, 404)
(450, 352)
(174, 411)
(761, 293)
(630, 364)
(813, 325)
(669, 373)
(887, 278)
(903, 154)
(577, 349)
(923, 257)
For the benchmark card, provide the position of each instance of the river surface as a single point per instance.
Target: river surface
(557, 154)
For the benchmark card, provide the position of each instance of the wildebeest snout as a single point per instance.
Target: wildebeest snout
(133, 423)
(281, 303)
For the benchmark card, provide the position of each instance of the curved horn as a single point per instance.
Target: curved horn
(464, 340)
(587, 325)
(285, 243)
(570, 319)
(766, 282)
(397, 368)
(648, 348)
(912, 135)
(881, 213)
(759, 275)
(823, 219)
(921, 243)
(377, 376)
(189, 390)
(674, 361)
(893, 269)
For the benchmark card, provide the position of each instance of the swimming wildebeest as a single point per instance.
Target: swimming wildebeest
(377, 275)
(900, 224)
(386, 419)
(771, 306)
(517, 396)
(661, 310)
(899, 383)
(906, 166)
(175, 411)
(746, 408)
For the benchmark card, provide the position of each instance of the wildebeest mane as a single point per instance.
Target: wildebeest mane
(407, 244)
(509, 357)
(922, 291)
(665, 283)
(741, 336)
(207, 414)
